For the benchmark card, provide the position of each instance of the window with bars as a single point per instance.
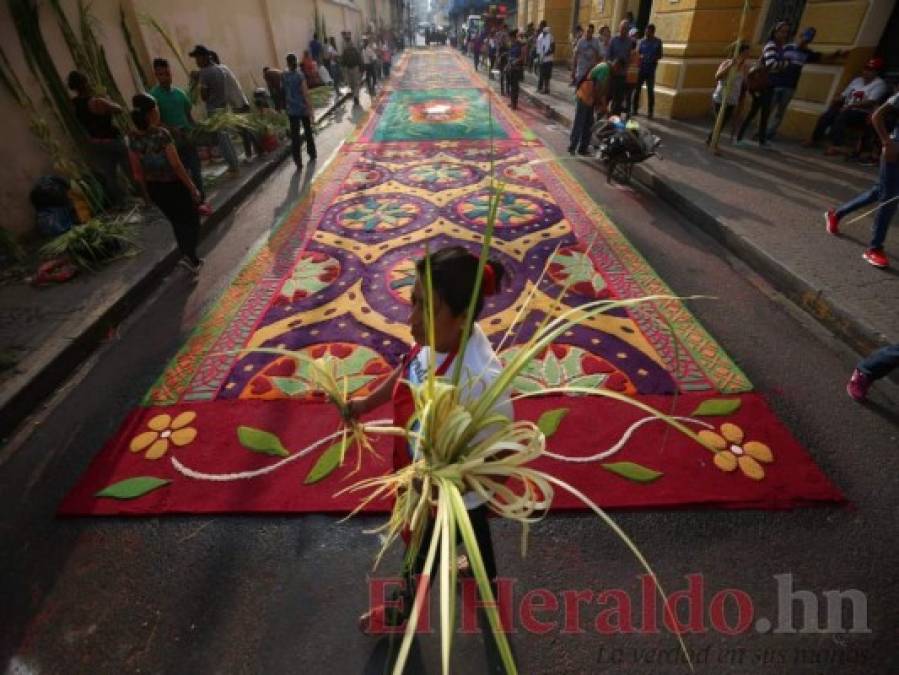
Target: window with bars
(782, 10)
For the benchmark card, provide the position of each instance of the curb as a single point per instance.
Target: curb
(855, 333)
(59, 366)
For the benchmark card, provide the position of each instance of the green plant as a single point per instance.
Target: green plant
(96, 242)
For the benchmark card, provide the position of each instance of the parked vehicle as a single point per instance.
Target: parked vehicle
(619, 145)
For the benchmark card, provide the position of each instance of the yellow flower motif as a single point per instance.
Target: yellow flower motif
(164, 429)
(731, 452)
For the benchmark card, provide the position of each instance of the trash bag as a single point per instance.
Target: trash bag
(50, 191)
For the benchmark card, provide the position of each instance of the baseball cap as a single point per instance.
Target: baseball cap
(200, 50)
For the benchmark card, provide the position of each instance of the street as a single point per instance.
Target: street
(280, 593)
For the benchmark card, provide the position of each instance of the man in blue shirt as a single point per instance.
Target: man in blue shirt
(517, 55)
(619, 50)
(296, 102)
(315, 49)
(650, 50)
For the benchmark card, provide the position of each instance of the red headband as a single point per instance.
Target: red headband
(488, 286)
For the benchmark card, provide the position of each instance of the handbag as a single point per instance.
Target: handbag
(757, 78)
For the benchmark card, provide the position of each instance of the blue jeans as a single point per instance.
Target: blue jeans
(580, 130)
(887, 188)
(880, 363)
(780, 100)
(226, 147)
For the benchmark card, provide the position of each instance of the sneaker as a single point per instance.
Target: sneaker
(204, 209)
(832, 222)
(876, 257)
(858, 385)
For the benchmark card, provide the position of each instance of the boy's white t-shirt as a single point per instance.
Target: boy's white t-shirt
(480, 368)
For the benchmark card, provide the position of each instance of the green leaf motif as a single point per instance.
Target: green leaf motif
(328, 461)
(550, 420)
(132, 488)
(717, 406)
(258, 440)
(632, 471)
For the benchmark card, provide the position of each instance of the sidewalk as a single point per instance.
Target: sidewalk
(49, 331)
(767, 208)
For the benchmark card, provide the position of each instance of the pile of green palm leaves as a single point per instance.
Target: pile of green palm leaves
(224, 120)
(96, 242)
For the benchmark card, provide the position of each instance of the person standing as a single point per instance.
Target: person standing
(885, 192)
(869, 370)
(733, 97)
(587, 54)
(211, 80)
(619, 50)
(502, 61)
(272, 77)
(315, 48)
(605, 39)
(299, 110)
(771, 63)
(517, 56)
(107, 148)
(163, 179)
(631, 76)
(575, 37)
(386, 59)
(546, 49)
(333, 60)
(650, 50)
(350, 64)
(368, 63)
(175, 114)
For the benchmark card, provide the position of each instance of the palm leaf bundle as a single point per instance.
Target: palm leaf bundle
(224, 120)
(96, 242)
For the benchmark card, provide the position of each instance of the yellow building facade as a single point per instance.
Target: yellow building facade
(697, 33)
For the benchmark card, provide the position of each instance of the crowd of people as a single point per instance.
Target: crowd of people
(159, 153)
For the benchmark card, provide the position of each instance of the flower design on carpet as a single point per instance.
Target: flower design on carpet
(163, 430)
(440, 175)
(438, 110)
(570, 366)
(514, 210)
(732, 452)
(314, 272)
(376, 214)
(574, 267)
(400, 280)
(288, 378)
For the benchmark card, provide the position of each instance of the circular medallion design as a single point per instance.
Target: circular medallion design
(521, 173)
(363, 177)
(514, 210)
(378, 213)
(437, 110)
(440, 175)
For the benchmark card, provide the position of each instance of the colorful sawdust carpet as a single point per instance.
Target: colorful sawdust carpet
(225, 431)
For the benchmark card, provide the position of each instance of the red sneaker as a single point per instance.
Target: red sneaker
(204, 209)
(876, 257)
(832, 222)
(858, 385)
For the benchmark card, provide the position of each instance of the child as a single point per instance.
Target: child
(453, 273)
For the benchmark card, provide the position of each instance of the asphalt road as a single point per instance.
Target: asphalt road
(281, 594)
